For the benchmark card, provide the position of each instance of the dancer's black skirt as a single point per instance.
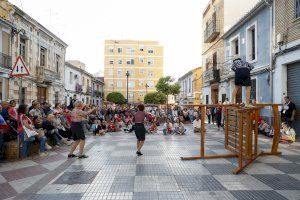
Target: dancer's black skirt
(77, 131)
(140, 131)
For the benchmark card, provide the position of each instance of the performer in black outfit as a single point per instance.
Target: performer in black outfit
(242, 78)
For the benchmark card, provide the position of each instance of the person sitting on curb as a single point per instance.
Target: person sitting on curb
(197, 125)
(168, 127)
(287, 133)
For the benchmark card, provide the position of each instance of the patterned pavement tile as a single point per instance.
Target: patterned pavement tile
(24, 172)
(279, 181)
(122, 184)
(170, 195)
(21, 184)
(2, 179)
(76, 196)
(290, 194)
(289, 168)
(145, 184)
(296, 176)
(220, 169)
(145, 196)
(272, 159)
(16, 165)
(208, 195)
(257, 195)
(261, 168)
(241, 182)
(106, 196)
(152, 170)
(81, 177)
(199, 183)
(76, 188)
(6, 191)
(52, 189)
(49, 159)
(292, 158)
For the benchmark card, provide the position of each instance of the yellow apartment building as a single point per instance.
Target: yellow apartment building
(142, 59)
(197, 84)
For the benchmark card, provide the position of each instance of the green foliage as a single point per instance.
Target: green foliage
(116, 97)
(167, 86)
(155, 98)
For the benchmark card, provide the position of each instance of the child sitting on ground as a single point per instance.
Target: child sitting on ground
(287, 133)
(265, 129)
(168, 127)
(153, 127)
(111, 126)
(101, 128)
(129, 127)
(179, 127)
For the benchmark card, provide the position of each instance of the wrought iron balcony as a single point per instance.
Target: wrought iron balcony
(78, 87)
(211, 31)
(5, 61)
(97, 93)
(211, 75)
(46, 75)
(89, 90)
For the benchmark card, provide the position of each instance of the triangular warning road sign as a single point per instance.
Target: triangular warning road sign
(20, 68)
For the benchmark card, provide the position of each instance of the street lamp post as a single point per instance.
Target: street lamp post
(127, 75)
(146, 86)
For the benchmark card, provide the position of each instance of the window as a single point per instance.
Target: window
(131, 95)
(57, 62)
(141, 59)
(131, 84)
(223, 98)
(252, 43)
(215, 60)
(111, 49)
(131, 72)
(56, 99)
(120, 72)
(130, 50)
(119, 84)
(23, 95)
(110, 72)
(150, 62)
(150, 73)
(235, 46)
(83, 80)
(150, 50)
(23, 48)
(253, 90)
(141, 48)
(142, 71)
(43, 53)
(110, 84)
(120, 49)
(150, 84)
(111, 62)
(71, 77)
(297, 8)
(141, 82)
(130, 62)
(120, 62)
(207, 99)
(88, 82)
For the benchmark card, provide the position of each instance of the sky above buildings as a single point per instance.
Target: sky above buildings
(85, 25)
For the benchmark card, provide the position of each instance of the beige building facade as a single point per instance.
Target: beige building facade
(143, 60)
(218, 17)
(44, 55)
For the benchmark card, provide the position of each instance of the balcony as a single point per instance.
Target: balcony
(97, 94)
(89, 90)
(211, 75)
(211, 31)
(78, 87)
(46, 75)
(5, 61)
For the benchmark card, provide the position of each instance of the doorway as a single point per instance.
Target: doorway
(41, 94)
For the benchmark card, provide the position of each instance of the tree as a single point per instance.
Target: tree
(116, 97)
(167, 86)
(155, 98)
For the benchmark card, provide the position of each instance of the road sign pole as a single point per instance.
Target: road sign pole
(18, 138)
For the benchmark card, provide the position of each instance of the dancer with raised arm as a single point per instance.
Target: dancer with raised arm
(77, 117)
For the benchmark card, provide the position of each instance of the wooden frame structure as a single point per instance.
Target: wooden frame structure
(241, 134)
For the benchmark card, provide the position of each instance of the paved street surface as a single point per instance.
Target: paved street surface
(113, 171)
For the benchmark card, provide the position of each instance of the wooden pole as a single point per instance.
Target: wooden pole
(240, 125)
(256, 131)
(276, 137)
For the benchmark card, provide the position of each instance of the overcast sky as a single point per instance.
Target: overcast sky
(84, 25)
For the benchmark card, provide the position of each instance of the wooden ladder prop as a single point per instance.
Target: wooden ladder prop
(241, 134)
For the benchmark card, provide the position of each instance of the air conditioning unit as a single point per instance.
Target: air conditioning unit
(280, 39)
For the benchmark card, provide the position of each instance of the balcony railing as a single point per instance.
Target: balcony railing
(97, 93)
(211, 31)
(46, 75)
(78, 87)
(89, 90)
(211, 75)
(5, 61)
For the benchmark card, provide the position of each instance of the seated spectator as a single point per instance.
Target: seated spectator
(264, 128)
(179, 127)
(3, 130)
(57, 109)
(197, 125)
(128, 127)
(52, 131)
(101, 128)
(64, 131)
(25, 122)
(287, 133)
(168, 127)
(153, 127)
(111, 126)
(36, 111)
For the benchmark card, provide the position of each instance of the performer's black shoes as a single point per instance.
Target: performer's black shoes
(139, 153)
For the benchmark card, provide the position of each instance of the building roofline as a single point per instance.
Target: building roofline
(22, 13)
(258, 7)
